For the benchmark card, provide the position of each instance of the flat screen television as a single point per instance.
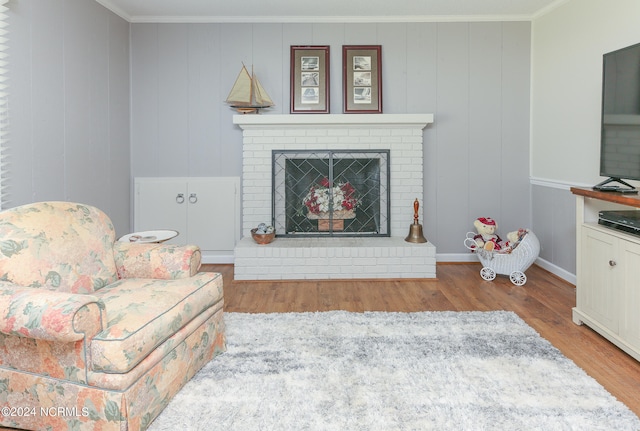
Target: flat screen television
(620, 126)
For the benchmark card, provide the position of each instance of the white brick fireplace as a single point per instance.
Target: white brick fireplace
(322, 258)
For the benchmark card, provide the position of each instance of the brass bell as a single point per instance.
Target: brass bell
(415, 230)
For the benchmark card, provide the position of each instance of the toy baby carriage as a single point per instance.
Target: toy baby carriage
(513, 261)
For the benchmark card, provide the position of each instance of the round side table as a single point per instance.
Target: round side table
(149, 236)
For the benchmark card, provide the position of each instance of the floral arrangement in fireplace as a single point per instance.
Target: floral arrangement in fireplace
(319, 200)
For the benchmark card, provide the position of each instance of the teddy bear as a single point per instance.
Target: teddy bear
(513, 239)
(487, 237)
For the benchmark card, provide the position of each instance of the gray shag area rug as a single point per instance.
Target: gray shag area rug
(391, 371)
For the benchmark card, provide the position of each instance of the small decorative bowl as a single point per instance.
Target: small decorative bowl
(262, 238)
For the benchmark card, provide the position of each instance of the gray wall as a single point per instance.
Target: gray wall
(554, 222)
(71, 117)
(69, 106)
(474, 77)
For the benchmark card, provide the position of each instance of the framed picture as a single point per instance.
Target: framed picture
(310, 79)
(362, 78)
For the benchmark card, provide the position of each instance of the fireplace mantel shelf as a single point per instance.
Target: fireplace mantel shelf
(333, 120)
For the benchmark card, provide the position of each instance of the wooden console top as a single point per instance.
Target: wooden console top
(619, 198)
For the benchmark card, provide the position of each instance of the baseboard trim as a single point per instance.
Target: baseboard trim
(440, 257)
(456, 257)
(556, 270)
(542, 263)
(208, 258)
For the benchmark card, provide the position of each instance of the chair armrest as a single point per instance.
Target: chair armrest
(49, 315)
(160, 261)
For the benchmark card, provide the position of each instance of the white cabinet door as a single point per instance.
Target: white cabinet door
(630, 280)
(212, 213)
(204, 210)
(161, 204)
(599, 294)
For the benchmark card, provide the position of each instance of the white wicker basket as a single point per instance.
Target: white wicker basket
(513, 264)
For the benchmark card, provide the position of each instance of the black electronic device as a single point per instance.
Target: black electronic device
(627, 220)
(603, 187)
(620, 120)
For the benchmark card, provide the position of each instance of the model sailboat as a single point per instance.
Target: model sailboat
(247, 94)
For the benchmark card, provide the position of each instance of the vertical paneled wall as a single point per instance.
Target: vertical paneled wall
(474, 77)
(554, 221)
(69, 106)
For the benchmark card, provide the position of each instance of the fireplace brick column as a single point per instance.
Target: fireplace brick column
(401, 134)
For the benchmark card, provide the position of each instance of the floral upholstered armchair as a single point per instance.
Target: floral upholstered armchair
(95, 333)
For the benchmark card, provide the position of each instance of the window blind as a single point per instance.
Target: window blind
(4, 101)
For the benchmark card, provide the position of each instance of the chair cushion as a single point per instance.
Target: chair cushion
(62, 246)
(142, 313)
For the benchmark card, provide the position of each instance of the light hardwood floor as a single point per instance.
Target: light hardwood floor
(544, 302)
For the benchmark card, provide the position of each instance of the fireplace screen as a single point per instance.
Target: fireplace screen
(331, 193)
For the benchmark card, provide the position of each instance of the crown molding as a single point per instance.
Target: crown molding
(163, 19)
(115, 9)
(324, 19)
(545, 10)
